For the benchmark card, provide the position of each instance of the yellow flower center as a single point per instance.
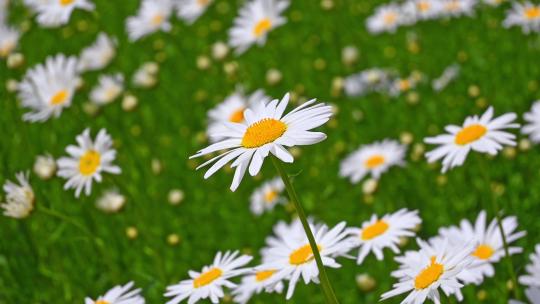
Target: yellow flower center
(302, 255)
(270, 196)
(6, 49)
(264, 274)
(263, 132)
(89, 162)
(404, 85)
(203, 2)
(262, 27)
(59, 98)
(390, 18)
(237, 116)
(429, 275)
(102, 302)
(424, 6)
(483, 252)
(470, 134)
(207, 277)
(374, 161)
(157, 19)
(532, 12)
(452, 6)
(375, 230)
(66, 2)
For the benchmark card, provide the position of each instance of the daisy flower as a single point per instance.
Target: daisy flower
(119, 295)
(532, 128)
(422, 273)
(532, 278)
(387, 18)
(191, 10)
(45, 166)
(255, 20)
(282, 231)
(53, 13)
(87, 161)
(210, 281)
(153, 16)
(255, 283)
(19, 198)
(47, 89)
(488, 244)
(449, 74)
(481, 134)
(9, 38)
(377, 234)
(98, 55)
(374, 159)
(267, 196)
(456, 8)
(111, 201)
(423, 9)
(108, 89)
(402, 85)
(526, 15)
(232, 110)
(292, 257)
(367, 81)
(266, 130)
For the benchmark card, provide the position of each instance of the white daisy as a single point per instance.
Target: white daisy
(488, 244)
(266, 130)
(255, 283)
(282, 232)
(98, 55)
(87, 161)
(146, 75)
(153, 16)
(422, 273)
(210, 281)
(367, 81)
(53, 13)
(9, 38)
(481, 134)
(532, 128)
(19, 198)
(532, 278)
(449, 74)
(457, 8)
(255, 20)
(232, 110)
(47, 89)
(191, 10)
(374, 159)
(402, 85)
(108, 89)
(386, 232)
(267, 196)
(293, 257)
(111, 201)
(45, 166)
(423, 9)
(119, 295)
(526, 15)
(387, 18)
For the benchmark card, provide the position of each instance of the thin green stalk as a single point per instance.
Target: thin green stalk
(325, 282)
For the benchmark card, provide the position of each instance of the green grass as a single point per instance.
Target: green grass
(44, 259)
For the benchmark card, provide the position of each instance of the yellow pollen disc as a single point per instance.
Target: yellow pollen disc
(375, 230)
(424, 6)
(89, 162)
(483, 252)
(302, 255)
(263, 275)
(404, 85)
(237, 116)
(66, 2)
(470, 134)
(207, 277)
(263, 132)
(59, 98)
(390, 18)
(429, 275)
(532, 12)
(157, 19)
(270, 196)
(262, 27)
(102, 302)
(374, 161)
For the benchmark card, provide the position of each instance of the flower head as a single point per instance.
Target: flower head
(108, 89)
(98, 55)
(111, 201)
(19, 198)
(255, 283)
(532, 128)
(525, 15)
(191, 10)
(153, 16)
(532, 278)
(53, 13)
(9, 38)
(119, 295)
(267, 196)
(387, 18)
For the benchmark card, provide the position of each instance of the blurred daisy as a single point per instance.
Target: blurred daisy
(456, 8)
(423, 273)
(267, 196)
(532, 128)
(526, 15)
(111, 201)
(266, 130)
(532, 278)
(533, 295)
(191, 10)
(49, 88)
(423, 9)
(44, 166)
(153, 16)
(9, 38)
(19, 198)
(292, 257)
(53, 13)
(488, 244)
(481, 134)
(374, 159)
(255, 20)
(377, 234)
(255, 283)
(232, 110)
(402, 85)
(448, 75)
(146, 75)
(387, 18)
(87, 161)
(367, 81)
(210, 281)
(119, 295)
(108, 89)
(99, 54)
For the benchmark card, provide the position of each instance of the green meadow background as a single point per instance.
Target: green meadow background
(80, 251)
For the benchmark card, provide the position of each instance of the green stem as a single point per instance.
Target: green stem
(325, 282)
